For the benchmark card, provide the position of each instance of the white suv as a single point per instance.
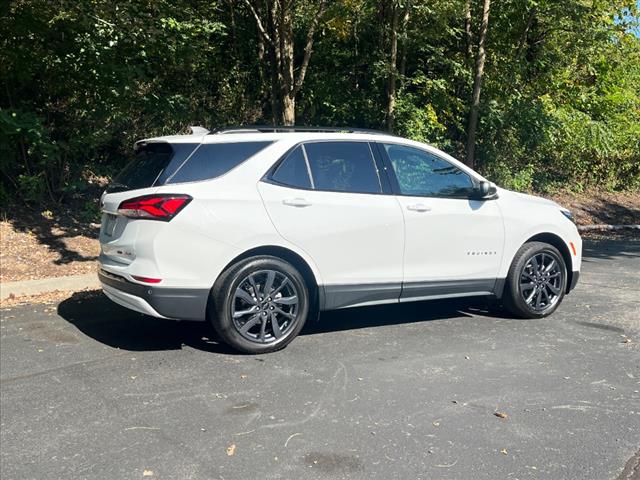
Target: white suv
(254, 228)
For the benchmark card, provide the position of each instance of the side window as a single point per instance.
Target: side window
(343, 167)
(293, 170)
(211, 160)
(421, 173)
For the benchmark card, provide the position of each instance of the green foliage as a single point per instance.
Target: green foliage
(520, 179)
(81, 81)
(91, 212)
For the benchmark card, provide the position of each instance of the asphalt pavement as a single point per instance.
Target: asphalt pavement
(432, 390)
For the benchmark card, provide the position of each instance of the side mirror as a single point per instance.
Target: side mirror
(484, 191)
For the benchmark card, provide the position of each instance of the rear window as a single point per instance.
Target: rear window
(214, 159)
(161, 163)
(151, 165)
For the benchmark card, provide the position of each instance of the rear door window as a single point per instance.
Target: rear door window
(211, 160)
(293, 171)
(343, 167)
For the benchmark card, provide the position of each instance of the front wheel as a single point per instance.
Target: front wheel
(537, 281)
(260, 304)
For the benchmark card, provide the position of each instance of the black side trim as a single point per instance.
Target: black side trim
(177, 303)
(340, 296)
(574, 281)
(451, 287)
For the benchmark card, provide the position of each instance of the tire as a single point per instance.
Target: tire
(533, 290)
(248, 319)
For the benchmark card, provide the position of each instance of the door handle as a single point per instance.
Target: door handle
(296, 202)
(418, 207)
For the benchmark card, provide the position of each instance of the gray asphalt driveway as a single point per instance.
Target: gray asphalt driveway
(90, 390)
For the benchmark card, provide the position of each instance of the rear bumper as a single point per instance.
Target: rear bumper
(173, 303)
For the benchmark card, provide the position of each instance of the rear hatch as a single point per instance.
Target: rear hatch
(158, 163)
(152, 164)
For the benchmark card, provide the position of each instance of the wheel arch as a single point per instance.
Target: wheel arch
(563, 248)
(286, 254)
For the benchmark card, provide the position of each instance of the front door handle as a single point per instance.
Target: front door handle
(296, 202)
(418, 207)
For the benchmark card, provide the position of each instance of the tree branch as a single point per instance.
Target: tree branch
(308, 48)
(261, 29)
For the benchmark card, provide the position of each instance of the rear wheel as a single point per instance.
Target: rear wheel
(537, 281)
(260, 304)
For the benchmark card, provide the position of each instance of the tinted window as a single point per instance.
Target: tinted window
(421, 173)
(150, 160)
(293, 170)
(215, 159)
(343, 167)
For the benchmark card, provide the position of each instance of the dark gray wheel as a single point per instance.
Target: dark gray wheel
(536, 282)
(265, 306)
(260, 304)
(541, 281)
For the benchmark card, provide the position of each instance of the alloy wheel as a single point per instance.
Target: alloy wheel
(265, 306)
(541, 281)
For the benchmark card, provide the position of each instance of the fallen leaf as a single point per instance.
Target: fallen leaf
(503, 451)
(626, 340)
(147, 473)
(501, 415)
(231, 450)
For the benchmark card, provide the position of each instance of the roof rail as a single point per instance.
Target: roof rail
(283, 128)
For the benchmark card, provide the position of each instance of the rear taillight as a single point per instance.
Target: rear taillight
(154, 207)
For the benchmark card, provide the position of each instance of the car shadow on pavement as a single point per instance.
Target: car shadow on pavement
(103, 320)
(394, 314)
(106, 322)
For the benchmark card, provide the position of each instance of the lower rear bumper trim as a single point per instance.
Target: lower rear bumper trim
(174, 303)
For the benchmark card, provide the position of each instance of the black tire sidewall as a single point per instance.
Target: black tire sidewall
(513, 300)
(222, 297)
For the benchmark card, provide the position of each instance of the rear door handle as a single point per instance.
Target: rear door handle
(418, 207)
(296, 202)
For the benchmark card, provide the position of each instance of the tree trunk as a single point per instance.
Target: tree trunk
(287, 80)
(288, 110)
(477, 85)
(279, 36)
(467, 30)
(393, 69)
(405, 41)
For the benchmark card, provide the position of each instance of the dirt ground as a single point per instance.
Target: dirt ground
(46, 245)
(55, 244)
(602, 208)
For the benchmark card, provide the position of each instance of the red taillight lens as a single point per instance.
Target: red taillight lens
(154, 207)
